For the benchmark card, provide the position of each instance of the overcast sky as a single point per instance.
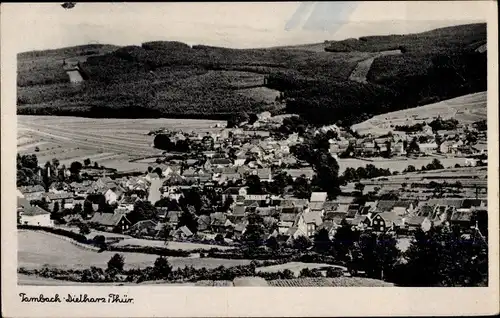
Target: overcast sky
(239, 25)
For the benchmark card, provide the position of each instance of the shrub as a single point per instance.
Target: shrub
(116, 263)
(162, 268)
(334, 272)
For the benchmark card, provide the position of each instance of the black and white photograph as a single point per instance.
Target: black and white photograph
(308, 144)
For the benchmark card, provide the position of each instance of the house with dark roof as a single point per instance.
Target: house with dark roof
(182, 233)
(34, 215)
(416, 222)
(110, 222)
(387, 221)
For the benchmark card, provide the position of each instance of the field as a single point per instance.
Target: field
(36, 249)
(186, 246)
(466, 109)
(109, 142)
(295, 267)
(329, 282)
(396, 164)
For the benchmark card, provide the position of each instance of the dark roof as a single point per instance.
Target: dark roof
(415, 220)
(426, 210)
(239, 210)
(34, 210)
(203, 222)
(288, 217)
(173, 216)
(107, 219)
(336, 217)
(456, 203)
(461, 216)
(316, 205)
(232, 190)
(390, 218)
(388, 205)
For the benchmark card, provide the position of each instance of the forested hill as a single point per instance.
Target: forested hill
(172, 79)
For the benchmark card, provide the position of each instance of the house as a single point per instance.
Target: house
(308, 173)
(415, 222)
(203, 223)
(143, 228)
(287, 221)
(117, 223)
(264, 174)
(359, 221)
(111, 196)
(154, 191)
(387, 221)
(318, 197)
(182, 233)
(218, 222)
(428, 148)
(462, 218)
(172, 218)
(34, 215)
(234, 192)
(401, 207)
(312, 221)
(32, 192)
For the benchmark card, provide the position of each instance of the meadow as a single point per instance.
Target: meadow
(466, 109)
(36, 249)
(109, 142)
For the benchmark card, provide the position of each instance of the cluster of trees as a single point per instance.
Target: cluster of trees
(368, 172)
(315, 151)
(165, 142)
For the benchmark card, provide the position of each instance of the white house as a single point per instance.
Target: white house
(111, 196)
(34, 215)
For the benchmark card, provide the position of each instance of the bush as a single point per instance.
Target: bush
(306, 272)
(162, 268)
(334, 272)
(116, 263)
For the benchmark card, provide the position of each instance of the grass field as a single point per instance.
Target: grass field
(466, 109)
(396, 164)
(37, 249)
(109, 142)
(186, 246)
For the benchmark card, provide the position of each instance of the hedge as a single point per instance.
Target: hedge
(150, 250)
(72, 235)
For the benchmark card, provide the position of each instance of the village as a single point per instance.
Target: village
(207, 186)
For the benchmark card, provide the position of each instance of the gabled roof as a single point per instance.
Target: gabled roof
(456, 203)
(313, 217)
(415, 220)
(34, 210)
(173, 216)
(239, 210)
(426, 210)
(461, 216)
(318, 197)
(203, 222)
(336, 217)
(391, 218)
(316, 206)
(330, 206)
(184, 229)
(288, 217)
(31, 189)
(108, 219)
(232, 190)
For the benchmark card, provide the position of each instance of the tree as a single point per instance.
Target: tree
(84, 229)
(116, 263)
(254, 186)
(87, 208)
(379, 254)
(55, 208)
(187, 218)
(322, 242)
(280, 182)
(343, 241)
(301, 243)
(359, 187)
(165, 233)
(413, 147)
(253, 237)
(272, 243)
(219, 238)
(75, 167)
(410, 168)
(302, 188)
(77, 209)
(86, 162)
(162, 268)
(55, 163)
(143, 210)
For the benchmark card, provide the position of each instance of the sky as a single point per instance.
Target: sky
(237, 25)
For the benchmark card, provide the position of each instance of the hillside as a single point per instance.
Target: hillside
(172, 79)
